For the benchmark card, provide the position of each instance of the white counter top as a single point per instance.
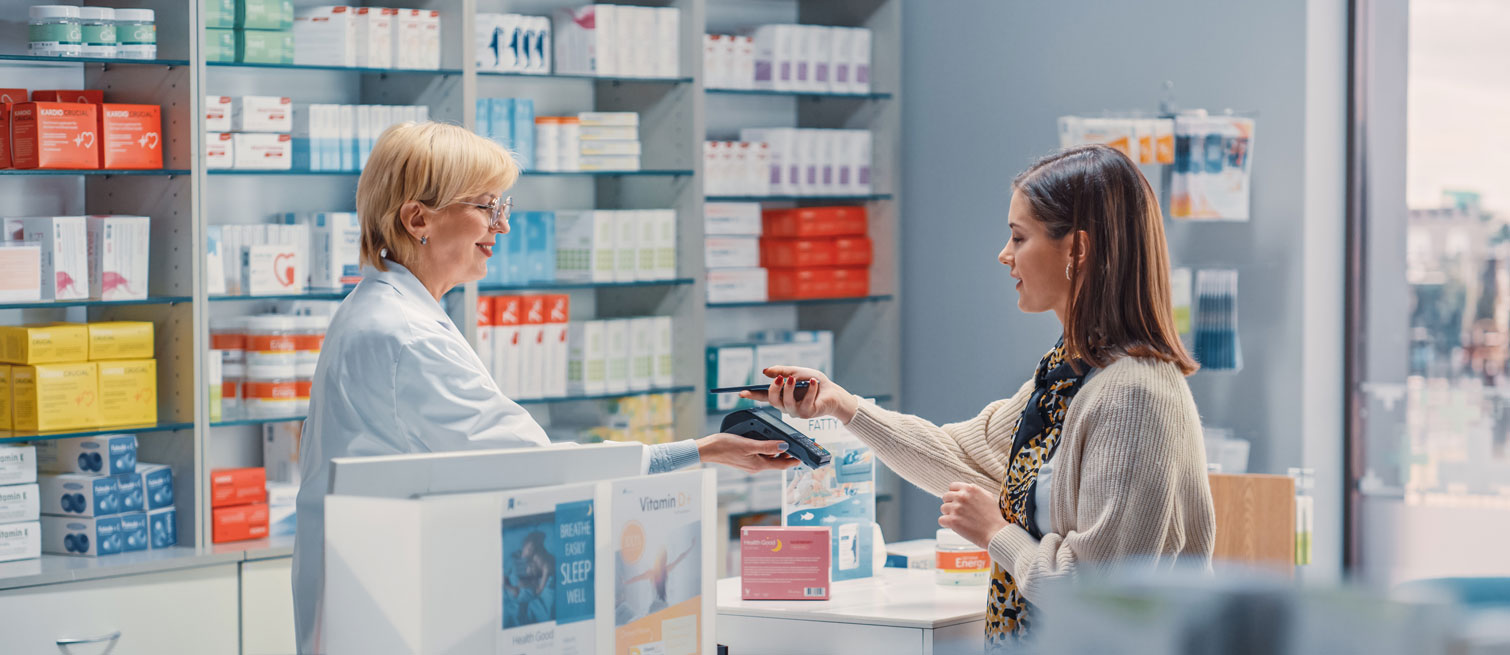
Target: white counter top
(905, 598)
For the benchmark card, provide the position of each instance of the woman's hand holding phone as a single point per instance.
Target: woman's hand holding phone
(822, 397)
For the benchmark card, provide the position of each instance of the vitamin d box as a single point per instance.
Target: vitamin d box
(55, 135)
(117, 251)
(56, 396)
(131, 136)
(784, 563)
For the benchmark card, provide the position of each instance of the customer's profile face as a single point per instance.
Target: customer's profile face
(1037, 260)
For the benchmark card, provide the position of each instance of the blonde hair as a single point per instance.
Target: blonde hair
(434, 164)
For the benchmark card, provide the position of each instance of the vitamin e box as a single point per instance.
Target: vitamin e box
(55, 135)
(131, 136)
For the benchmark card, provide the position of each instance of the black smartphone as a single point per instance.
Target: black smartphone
(801, 388)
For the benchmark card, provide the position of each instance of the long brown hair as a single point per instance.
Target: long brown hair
(1121, 303)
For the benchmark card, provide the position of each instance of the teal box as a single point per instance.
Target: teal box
(262, 47)
(515, 269)
(220, 45)
(264, 14)
(524, 132)
(501, 122)
(220, 14)
(484, 118)
(540, 242)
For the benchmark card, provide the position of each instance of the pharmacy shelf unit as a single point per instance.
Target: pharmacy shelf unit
(185, 199)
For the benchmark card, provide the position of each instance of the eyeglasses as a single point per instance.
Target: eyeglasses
(500, 211)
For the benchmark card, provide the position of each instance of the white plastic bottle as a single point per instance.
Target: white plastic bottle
(959, 562)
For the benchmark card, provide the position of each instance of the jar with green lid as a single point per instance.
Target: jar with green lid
(55, 31)
(98, 29)
(136, 33)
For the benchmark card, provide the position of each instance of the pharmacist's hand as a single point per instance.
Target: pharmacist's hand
(972, 512)
(823, 397)
(748, 455)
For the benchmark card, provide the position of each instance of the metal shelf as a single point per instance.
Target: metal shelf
(48, 304)
(555, 286)
(14, 436)
(591, 78)
(313, 294)
(35, 59)
(810, 301)
(234, 422)
(676, 172)
(340, 69)
(798, 94)
(290, 171)
(860, 198)
(93, 171)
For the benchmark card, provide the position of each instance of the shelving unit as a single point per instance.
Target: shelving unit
(677, 114)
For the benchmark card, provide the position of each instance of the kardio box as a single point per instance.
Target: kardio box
(44, 344)
(55, 135)
(83, 96)
(128, 392)
(120, 340)
(784, 563)
(130, 136)
(56, 396)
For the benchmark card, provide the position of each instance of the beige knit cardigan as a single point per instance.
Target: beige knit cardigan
(1129, 479)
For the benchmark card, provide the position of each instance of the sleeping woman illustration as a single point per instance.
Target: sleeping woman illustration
(529, 588)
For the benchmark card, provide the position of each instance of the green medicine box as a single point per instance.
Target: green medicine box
(261, 47)
(264, 14)
(219, 14)
(219, 45)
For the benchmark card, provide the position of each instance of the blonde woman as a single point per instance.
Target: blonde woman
(395, 375)
(1097, 460)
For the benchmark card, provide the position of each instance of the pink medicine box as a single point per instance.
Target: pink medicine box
(784, 563)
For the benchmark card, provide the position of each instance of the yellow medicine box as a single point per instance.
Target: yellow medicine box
(5, 396)
(56, 396)
(44, 344)
(128, 392)
(120, 340)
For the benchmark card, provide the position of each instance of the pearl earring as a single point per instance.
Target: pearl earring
(426, 240)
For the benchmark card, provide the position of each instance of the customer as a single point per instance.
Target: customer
(395, 375)
(1097, 459)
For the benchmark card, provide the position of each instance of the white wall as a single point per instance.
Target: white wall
(985, 81)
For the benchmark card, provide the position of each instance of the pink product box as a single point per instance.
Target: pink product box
(784, 563)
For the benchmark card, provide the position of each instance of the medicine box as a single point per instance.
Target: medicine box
(162, 528)
(5, 144)
(65, 254)
(134, 533)
(117, 250)
(44, 344)
(54, 135)
(663, 352)
(100, 455)
(325, 36)
(280, 451)
(18, 464)
(506, 350)
(12, 96)
(585, 250)
(262, 151)
(239, 523)
(55, 396)
(128, 487)
(641, 353)
(282, 508)
(240, 486)
(730, 366)
(128, 392)
(647, 244)
(540, 247)
(807, 283)
(120, 340)
(626, 240)
(76, 494)
(219, 14)
(262, 47)
(665, 243)
(219, 150)
(735, 285)
(732, 252)
(784, 563)
(531, 347)
(616, 338)
(81, 535)
(79, 96)
(272, 114)
(557, 313)
(130, 136)
(374, 36)
(219, 45)
(20, 541)
(157, 484)
(5, 397)
(264, 14)
(20, 502)
(915, 554)
(20, 270)
(335, 248)
(272, 269)
(814, 222)
(587, 358)
(731, 218)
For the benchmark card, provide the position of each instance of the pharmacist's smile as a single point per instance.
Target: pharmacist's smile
(486, 248)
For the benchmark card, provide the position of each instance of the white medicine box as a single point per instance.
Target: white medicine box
(64, 262)
(20, 271)
(20, 503)
(219, 150)
(326, 36)
(109, 454)
(217, 113)
(74, 494)
(18, 464)
(587, 358)
(118, 248)
(272, 269)
(78, 535)
(374, 36)
(20, 541)
(269, 114)
(263, 151)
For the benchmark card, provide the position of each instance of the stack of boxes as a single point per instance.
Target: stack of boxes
(589, 141)
(511, 123)
(798, 58)
(77, 129)
(74, 257)
(20, 501)
(801, 253)
(259, 259)
(789, 162)
(77, 376)
(527, 254)
(266, 363)
(618, 41)
(511, 43)
(533, 351)
(741, 364)
(238, 498)
(341, 137)
(97, 499)
(648, 418)
(249, 132)
(367, 37)
(615, 246)
(249, 31)
(620, 355)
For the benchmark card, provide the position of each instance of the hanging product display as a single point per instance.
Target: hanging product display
(1216, 343)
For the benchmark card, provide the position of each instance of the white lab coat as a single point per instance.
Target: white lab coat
(395, 376)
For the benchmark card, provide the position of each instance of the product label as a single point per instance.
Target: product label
(138, 34)
(55, 34)
(98, 35)
(963, 561)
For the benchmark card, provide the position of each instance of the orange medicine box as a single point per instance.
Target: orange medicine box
(239, 523)
(12, 96)
(55, 135)
(810, 283)
(804, 253)
(131, 136)
(784, 563)
(813, 222)
(86, 96)
(4, 137)
(238, 486)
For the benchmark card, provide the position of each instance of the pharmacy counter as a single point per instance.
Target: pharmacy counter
(900, 611)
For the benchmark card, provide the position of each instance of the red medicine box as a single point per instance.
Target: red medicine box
(85, 96)
(4, 136)
(12, 96)
(813, 222)
(238, 486)
(239, 523)
(131, 136)
(813, 283)
(784, 563)
(808, 253)
(55, 135)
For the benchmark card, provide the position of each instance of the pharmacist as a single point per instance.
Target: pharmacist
(1096, 460)
(395, 375)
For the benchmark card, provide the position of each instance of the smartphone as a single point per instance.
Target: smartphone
(757, 387)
